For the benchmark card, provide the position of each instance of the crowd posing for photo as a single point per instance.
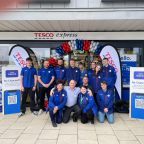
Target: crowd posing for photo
(72, 92)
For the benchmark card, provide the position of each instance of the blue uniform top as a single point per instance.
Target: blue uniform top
(58, 99)
(28, 76)
(90, 72)
(60, 73)
(46, 75)
(105, 99)
(86, 103)
(95, 81)
(82, 75)
(109, 75)
(73, 74)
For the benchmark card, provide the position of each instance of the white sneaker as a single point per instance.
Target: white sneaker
(40, 112)
(35, 113)
(21, 114)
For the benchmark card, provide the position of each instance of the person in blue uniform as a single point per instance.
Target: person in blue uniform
(87, 105)
(95, 80)
(105, 99)
(28, 82)
(91, 71)
(83, 73)
(45, 78)
(60, 71)
(109, 74)
(73, 73)
(57, 103)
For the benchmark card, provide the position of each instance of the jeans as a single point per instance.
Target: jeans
(101, 117)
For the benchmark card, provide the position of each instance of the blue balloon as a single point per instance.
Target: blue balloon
(60, 51)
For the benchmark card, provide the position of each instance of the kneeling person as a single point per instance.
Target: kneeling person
(87, 105)
(56, 104)
(105, 99)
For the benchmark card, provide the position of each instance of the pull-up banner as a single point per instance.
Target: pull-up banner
(111, 53)
(19, 54)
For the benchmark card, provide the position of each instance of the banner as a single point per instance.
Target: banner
(137, 92)
(111, 53)
(19, 54)
(11, 89)
(127, 61)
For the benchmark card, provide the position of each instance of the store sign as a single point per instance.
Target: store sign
(137, 92)
(114, 60)
(127, 61)
(11, 89)
(49, 1)
(54, 35)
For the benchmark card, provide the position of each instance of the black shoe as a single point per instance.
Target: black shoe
(74, 118)
(92, 121)
(54, 124)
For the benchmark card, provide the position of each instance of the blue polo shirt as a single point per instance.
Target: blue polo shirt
(60, 73)
(46, 75)
(28, 76)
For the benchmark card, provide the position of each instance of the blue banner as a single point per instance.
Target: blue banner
(137, 105)
(12, 101)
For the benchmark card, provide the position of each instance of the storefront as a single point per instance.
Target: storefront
(129, 45)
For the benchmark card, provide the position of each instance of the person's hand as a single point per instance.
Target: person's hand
(22, 88)
(47, 85)
(90, 92)
(55, 109)
(34, 88)
(44, 85)
(51, 92)
(105, 110)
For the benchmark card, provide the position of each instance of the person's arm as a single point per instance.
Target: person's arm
(52, 79)
(63, 102)
(51, 104)
(21, 80)
(35, 80)
(40, 81)
(89, 105)
(100, 103)
(111, 100)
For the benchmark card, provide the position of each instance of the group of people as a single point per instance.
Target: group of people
(72, 92)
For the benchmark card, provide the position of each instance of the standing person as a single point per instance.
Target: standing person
(86, 83)
(109, 74)
(105, 99)
(56, 104)
(95, 80)
(72, 72)
(91, 71)
(83, 73)
(28, 82)
(60, 71)
(45, 79)
(87, 105)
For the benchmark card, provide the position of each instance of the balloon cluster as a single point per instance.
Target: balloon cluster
(74, 45)
(53, 62)
(99, 48)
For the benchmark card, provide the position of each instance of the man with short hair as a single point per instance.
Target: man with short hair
(109, 74)
(28, 82)
(45, 78)
(105, 100)
(73, 73)
(60, 71)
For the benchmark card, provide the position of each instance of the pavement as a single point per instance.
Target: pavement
(31, 129)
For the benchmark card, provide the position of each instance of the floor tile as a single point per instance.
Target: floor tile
(125, 135)
(107, 139)
(49, 134)
(67, 139)
(86, 135)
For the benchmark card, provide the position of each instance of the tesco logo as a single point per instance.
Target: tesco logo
(43, 35)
